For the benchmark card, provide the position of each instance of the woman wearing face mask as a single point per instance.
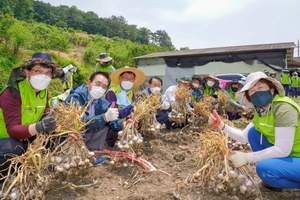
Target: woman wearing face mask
(274, 133)
(210, 85)
(196, 89)
(233, 108)
(24, 109)
(123, 81)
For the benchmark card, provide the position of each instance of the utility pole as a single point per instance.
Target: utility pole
(298, 48)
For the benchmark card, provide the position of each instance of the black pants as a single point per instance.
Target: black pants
(9, 147)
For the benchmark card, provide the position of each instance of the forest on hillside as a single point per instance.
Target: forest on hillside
(24, 31)
(71, 17)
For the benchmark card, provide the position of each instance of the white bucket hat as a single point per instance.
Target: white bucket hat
(251, 80)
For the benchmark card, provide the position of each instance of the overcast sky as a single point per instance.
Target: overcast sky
(205, 23)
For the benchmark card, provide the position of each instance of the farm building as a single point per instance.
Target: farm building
(233, 59)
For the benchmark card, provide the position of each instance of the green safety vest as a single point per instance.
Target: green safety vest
(104, 68)
(285, 78)
(32, 106)
(265, 125)
(295, 82)
(207, 91)
(232, 95)
(117, 90)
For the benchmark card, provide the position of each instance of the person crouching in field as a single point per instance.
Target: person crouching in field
(274, 133)
(24, 108)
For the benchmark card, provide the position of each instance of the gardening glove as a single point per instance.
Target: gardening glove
(47, 124)
(238, 159)
(215, 120)
(165, 105)
(245, 108)
(112, 114)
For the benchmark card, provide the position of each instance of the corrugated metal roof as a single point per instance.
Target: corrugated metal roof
(219, 50)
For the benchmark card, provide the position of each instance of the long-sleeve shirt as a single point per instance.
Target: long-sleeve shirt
(111, 97)
(11, 108)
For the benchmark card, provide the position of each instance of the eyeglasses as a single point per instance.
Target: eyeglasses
(40, 72)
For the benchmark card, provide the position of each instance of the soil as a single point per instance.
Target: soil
(171, 152)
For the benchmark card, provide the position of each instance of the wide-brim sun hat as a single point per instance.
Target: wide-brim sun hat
(103, 57)
(228, 84)
(251, 80)
(18, 73)
(185, 79)
(213, 77)
(139, 76)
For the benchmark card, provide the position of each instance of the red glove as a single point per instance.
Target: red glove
(214, 120)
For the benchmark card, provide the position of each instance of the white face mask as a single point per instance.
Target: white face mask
(210, 83)
(155, 90)
(196, 85)
(96, 92)
(40, 82)
(126, 85)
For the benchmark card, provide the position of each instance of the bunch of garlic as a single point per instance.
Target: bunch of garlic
(72, 157)
(129, 139)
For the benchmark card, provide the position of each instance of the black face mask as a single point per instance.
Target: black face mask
(234, 89)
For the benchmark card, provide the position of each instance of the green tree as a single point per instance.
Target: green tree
(75, 18)
(23, 9)
(6, 7)
(90, 22)
(6, 22)
(184, 48)
(161, 38)
(144, 35)
(59, 41)
(19, 36)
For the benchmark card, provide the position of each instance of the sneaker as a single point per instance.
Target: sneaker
(263, 187)
(99, 160)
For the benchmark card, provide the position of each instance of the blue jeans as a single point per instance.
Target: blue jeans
(162, 118)
(276, 172)
(294, 92)
(286, 89)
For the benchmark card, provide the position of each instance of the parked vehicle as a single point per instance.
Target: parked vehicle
(224, 78)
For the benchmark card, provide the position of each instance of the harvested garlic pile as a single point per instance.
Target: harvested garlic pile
(71, 158)
(149, 125)
(130, 140)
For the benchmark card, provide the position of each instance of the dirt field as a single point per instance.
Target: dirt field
(172, 153)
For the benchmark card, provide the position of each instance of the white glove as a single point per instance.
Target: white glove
(245, 108)
(238, 159)
(165, 105)
(112, 114)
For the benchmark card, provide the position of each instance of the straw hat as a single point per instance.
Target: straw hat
(103, 57)
(228, 84)
(139, 76)
(64, 95)
(185, 79)
(211, 76)
(251, 80)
